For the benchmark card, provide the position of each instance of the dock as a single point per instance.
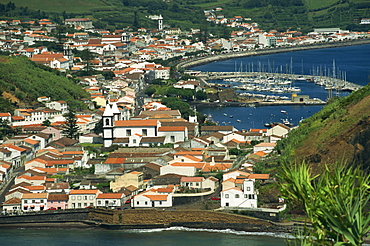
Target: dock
(329, 82)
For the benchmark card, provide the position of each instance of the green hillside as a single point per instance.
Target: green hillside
(270, 14)
(22, 82)
(340, 131)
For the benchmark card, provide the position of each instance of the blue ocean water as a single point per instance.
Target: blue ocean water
(352, 60)
(151, 237)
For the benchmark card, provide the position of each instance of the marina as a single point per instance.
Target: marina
(303, 69)
(276, 82)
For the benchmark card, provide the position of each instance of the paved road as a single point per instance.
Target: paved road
(5, 188)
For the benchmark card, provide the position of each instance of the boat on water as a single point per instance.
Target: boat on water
(231, 116)
(238, 120)
(225, 114)
(283, 111)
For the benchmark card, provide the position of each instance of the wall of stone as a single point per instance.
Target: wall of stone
(45, 216)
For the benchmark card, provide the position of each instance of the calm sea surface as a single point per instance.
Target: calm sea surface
(352, 61)
(153, 237)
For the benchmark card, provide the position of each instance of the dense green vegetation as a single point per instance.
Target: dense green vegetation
(24, 81)
(335, 202)
(270, 14)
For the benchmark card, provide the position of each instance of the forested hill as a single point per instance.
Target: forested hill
(22, 82)
(341, 131)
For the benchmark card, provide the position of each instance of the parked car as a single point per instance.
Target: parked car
(213, 198)
(51, 209)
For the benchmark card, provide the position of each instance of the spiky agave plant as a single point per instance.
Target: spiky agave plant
(334, 201)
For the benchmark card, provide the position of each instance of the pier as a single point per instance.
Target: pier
(329, 82)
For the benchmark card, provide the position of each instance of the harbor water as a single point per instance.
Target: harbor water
(351, 61)
(152, 237)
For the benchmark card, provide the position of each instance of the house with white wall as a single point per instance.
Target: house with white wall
(82, 198)
(34, 202)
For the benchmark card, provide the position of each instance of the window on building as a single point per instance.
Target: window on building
(134, 141)
(107, 122)
(25, 201)
(41, 201)
(128, 132)
(145, 132)
(99, 202)
(172, 139)
(226, 195)
(85, 204)
(196, 184)
(146, 203)
(33, 201)
(248, 188)
(236, 195)
(137, 202)
(85, 198)
(160, 202)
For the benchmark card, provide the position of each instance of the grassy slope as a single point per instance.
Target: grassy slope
(26, 81)
(72, 6)
(337, 132)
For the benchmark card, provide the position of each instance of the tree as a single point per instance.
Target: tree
(335, 202)
(98, 127)
(150, 91)
(46, 123)
(70, 129)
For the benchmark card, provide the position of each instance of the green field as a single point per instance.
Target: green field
(71, 6)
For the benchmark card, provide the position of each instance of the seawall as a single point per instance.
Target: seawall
(140, 219)
(232, 55)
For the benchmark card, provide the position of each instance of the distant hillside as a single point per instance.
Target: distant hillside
(270, 14)
(22, 82)
(340, 131)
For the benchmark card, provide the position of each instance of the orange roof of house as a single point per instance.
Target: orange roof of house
(79, 192)
(32, 178)
(38, 160)
(115, 160)
(110, 196)
(35, 187)
(185, 164)
(31, 141)
(192, 179)
(193, 158)
(266, 145)
(260, 153)
(138, 123)
(171, 128)
(259, 176)
(164, 190)
(217, 166)
(157, 197)
(35, 195)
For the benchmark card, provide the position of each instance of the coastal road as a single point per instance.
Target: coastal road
(5, 188)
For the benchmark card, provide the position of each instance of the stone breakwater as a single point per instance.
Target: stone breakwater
(141, 219)
(186, 64)
(151, 218)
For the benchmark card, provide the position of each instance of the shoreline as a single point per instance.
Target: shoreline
(268, 51)
(238, 227)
